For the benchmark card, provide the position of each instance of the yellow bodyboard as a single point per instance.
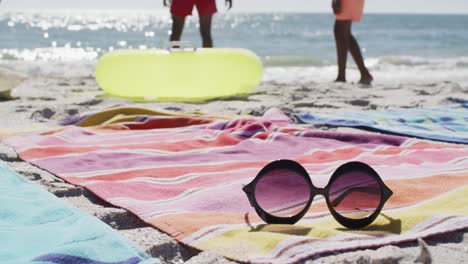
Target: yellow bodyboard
(164, 75)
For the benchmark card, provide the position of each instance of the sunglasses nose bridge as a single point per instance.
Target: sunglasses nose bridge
(318, 191)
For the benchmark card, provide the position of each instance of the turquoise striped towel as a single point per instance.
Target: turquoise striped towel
(444, 123)
(37, 227)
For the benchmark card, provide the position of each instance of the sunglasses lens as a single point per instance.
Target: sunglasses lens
(282, 193)
(355, 195)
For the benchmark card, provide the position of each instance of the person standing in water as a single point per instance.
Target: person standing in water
(180, 9)
(347, 12)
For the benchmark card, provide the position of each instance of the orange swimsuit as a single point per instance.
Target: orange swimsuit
(351, 10)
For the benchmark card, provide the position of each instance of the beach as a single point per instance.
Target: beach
(45, 100)
(61, 84)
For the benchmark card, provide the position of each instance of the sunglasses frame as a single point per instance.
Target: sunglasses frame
(291, 165)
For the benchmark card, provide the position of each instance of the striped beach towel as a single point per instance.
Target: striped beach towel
(444, 123)
(37, 227)
(184, 175)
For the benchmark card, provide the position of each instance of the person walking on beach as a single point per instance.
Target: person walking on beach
(180, 9)
(346, 12)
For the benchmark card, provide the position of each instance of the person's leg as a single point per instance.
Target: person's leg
(206, 10)
(205, 31)
(177, 27)
(180, 9)
(342, 30)
(366, 77)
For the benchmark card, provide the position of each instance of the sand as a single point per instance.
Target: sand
(46, 99)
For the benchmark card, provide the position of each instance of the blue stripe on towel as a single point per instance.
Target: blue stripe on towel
(37, 227)
(443, 123)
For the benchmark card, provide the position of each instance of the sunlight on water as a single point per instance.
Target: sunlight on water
(396, 45)
(280, 39)
(88, 20)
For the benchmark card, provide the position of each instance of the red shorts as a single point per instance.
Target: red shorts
(185, 7)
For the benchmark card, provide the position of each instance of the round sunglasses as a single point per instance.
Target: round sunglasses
(282, 193)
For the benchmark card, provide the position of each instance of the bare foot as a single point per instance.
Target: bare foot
(366, 80)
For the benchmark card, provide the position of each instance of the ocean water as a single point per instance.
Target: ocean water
(410, 47)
